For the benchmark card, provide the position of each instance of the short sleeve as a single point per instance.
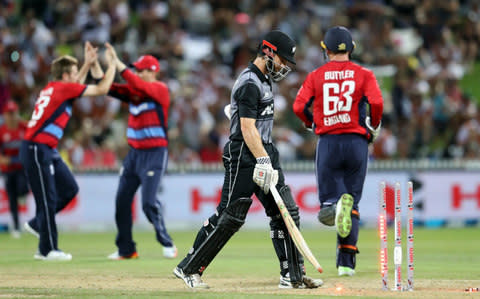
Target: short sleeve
(247, 97)
(73, 90)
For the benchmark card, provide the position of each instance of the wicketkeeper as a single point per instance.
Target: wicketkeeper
(340, 92)
(251, 166)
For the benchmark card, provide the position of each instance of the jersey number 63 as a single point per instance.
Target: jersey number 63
(337, 98)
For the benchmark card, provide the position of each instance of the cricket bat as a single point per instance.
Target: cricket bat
(294, 231)
(289, 223)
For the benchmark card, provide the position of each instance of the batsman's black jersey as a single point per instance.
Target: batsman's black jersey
(252, 97)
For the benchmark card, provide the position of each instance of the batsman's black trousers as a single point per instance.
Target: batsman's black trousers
(239, 164)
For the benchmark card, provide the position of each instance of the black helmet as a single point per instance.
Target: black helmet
(338, 39)
(280, 43)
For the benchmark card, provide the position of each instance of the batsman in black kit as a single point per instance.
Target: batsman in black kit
(251, 166)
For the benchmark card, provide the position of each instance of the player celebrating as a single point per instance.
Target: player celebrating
(250, 152)
(16, 185)
(340, 91)
(146, 161)
(53, 185)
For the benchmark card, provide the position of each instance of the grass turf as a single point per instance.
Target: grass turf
(446, 262)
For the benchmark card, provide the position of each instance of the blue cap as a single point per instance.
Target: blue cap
(338, 39)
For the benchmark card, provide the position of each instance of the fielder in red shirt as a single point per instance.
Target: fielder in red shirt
(347, 109)
(145, 164)
(52, 183)
(16, 185)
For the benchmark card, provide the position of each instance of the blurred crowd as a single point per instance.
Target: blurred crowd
(419, 50)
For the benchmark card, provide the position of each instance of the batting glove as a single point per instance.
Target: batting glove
(374, 131)
(227, 111)
(264, 175)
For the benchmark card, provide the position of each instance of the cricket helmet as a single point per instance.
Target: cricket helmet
(279, 43)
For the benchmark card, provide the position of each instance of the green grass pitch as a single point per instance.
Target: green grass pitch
(446, 262)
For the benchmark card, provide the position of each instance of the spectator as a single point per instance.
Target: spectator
(200, 45)
(16, 185)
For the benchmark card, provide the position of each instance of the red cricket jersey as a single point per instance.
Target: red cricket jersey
(52, 112)
(340, 92)
(148, 107)
(10, 140)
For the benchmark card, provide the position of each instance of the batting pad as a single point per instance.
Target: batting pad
(230, 221)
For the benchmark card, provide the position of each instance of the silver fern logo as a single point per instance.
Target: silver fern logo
(268, 110)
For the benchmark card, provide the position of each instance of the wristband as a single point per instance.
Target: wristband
(264, 160)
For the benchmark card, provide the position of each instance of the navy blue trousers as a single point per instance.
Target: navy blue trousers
(53, 187)
(341, 167)
(16, 185)
(140, 167)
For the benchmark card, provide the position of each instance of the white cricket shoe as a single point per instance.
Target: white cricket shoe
(170, 252)
(285, 283)
(38, 256)
(54, 255)
(312, 283)
(29, 229)
(193, 281)
(15, 234)
(307, 282)
(117, 257)
(345, 271)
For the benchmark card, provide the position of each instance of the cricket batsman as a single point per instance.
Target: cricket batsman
(252, 165)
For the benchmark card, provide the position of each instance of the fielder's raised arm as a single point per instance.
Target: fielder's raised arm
(104, 85)
(95, 69)
(90, 56)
